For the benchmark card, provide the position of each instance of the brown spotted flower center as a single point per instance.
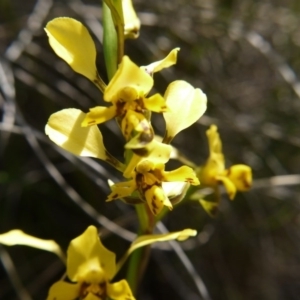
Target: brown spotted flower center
(98, 290)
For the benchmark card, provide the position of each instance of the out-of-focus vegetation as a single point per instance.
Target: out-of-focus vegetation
(245, 55)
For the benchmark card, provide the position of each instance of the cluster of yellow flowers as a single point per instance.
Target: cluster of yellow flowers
(89, 264)
(77, 132)
(91, 267)
(181, 106)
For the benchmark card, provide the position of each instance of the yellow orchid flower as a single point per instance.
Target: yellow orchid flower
(90, 268)
(187, 106)
(127, 92)
(154, 151)
(148, 179)
(236, 178)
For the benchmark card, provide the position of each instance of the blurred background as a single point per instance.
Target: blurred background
(245, 55)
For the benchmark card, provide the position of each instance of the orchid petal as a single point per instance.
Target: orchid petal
(241, 176)
(98, 115)
(156, 103)
(90, 296)
(64, 291)
(157, 199)
(183, 173)
(119, 291)
(132, 22)
(128, 75)
(187, 105)
(214, 140)
(145, 240)
(175, 191)
(167, 62)
(65, 130)
(155, 151)
(229, 186)
(18, 237)
(89, 260)
(71, 41)
(215, 165)
(121, 190)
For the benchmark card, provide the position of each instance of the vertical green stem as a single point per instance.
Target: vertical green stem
(134, 262)
(121, 40)
(139, 258)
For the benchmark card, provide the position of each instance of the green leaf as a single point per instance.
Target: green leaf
(110, 42)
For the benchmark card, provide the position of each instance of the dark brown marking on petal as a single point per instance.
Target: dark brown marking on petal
(120, 108)
(243, 178)
(159, 176)
(246, 184)
(93, 122)
(146, 187)
(126, 133)
(141, 152)
(100, 292)
(154, 206)
(139, 105)
(82, 291)
(190, 180)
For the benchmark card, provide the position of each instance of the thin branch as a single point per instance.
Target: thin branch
(265, 48)
(187, 264)
(13, 275)
(34, 23)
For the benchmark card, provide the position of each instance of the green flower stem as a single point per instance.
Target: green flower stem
(140, 257)
(121, 39)
(134, 262)
(142, 216)
(110, 42)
